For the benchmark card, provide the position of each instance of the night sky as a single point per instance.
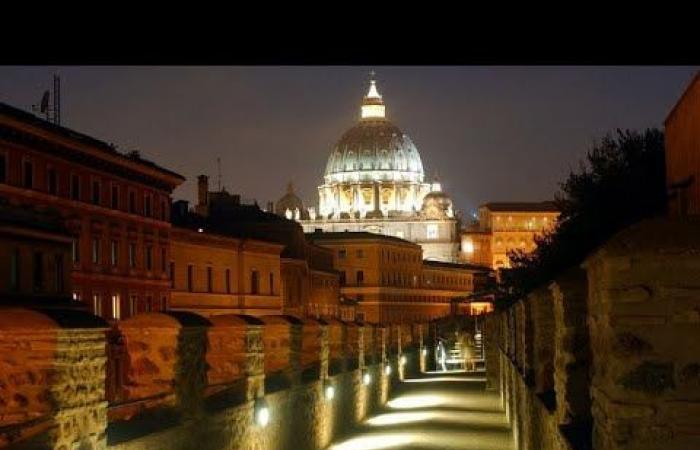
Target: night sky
(490, 133)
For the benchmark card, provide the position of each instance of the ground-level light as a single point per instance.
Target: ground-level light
(425, 351)
(366, 378)
(329, 391)
(387, 369)
(262, 413)
(402, 360)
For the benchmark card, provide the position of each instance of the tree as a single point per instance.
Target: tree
(621, 181)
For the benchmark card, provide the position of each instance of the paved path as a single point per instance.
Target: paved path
(449, 411)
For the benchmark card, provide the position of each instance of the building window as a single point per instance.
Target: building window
(114, 253)
(95, 192)
(163, 212)
(210, 280)
(75, 187)
(14, 270)
(149, 303)
(172, 274)
(132, 255)
(164, 303)
(272, 283)
(76, 250)
(162, 259)
(38, 271)
(360, 276)
(149, 258)
(115, 196)
(342, 278)
(97, 304)
(254, 282)
(3, 168)
(52, 182)
(432, 231)
(59, 274)
(95, 250)
(116, 307)
(342, 254)
(228, 281)
(133, 305)
(132, 202)
(147, 205)
(28, 175)
(360, 253)
(190, 278)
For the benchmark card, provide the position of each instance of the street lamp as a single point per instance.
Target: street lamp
(262, 413)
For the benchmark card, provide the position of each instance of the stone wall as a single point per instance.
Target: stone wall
(605, 356)
(178, 381)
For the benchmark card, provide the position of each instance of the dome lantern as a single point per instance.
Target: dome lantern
(372, 105)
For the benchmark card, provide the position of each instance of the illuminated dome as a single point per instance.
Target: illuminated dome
(374, 149)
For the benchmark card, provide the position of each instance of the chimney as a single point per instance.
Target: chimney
(202, 190)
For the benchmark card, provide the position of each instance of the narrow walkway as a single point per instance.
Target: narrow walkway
(436, 411)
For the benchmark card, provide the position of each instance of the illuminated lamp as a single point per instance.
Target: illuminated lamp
(387, 369)
(329, 390)
(425, 351)
(200, 230)
(262, 412)
(366, 378)
(403, 360)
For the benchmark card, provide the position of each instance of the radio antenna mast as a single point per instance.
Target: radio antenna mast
(51, 107)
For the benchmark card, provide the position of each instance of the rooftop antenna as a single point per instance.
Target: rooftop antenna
(218, 168)
(52, 109)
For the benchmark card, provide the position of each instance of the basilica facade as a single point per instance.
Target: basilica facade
(374, 182)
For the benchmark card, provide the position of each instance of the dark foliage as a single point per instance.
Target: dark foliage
(621, 182)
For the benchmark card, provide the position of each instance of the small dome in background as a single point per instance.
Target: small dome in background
(290, 205)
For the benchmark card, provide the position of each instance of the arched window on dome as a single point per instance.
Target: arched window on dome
(384, 160)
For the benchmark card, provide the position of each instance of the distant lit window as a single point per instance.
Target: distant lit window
(97, 304)
(116, 307)
(432, 231)
(114, 253)
(95, 250)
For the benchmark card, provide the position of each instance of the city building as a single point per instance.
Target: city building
(216, 274)
(35, 255)
(115, 206)
(391, 282)
(682, 137)
(505, 226)
(308, 282)
(374, 182)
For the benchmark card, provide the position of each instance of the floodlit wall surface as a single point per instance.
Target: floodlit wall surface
(604, 357)
(181, 381)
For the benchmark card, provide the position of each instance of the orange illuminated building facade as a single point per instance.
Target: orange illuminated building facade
(389, 280)
(682, 136)
(214, 274)
(116, 208)
(505, 226)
